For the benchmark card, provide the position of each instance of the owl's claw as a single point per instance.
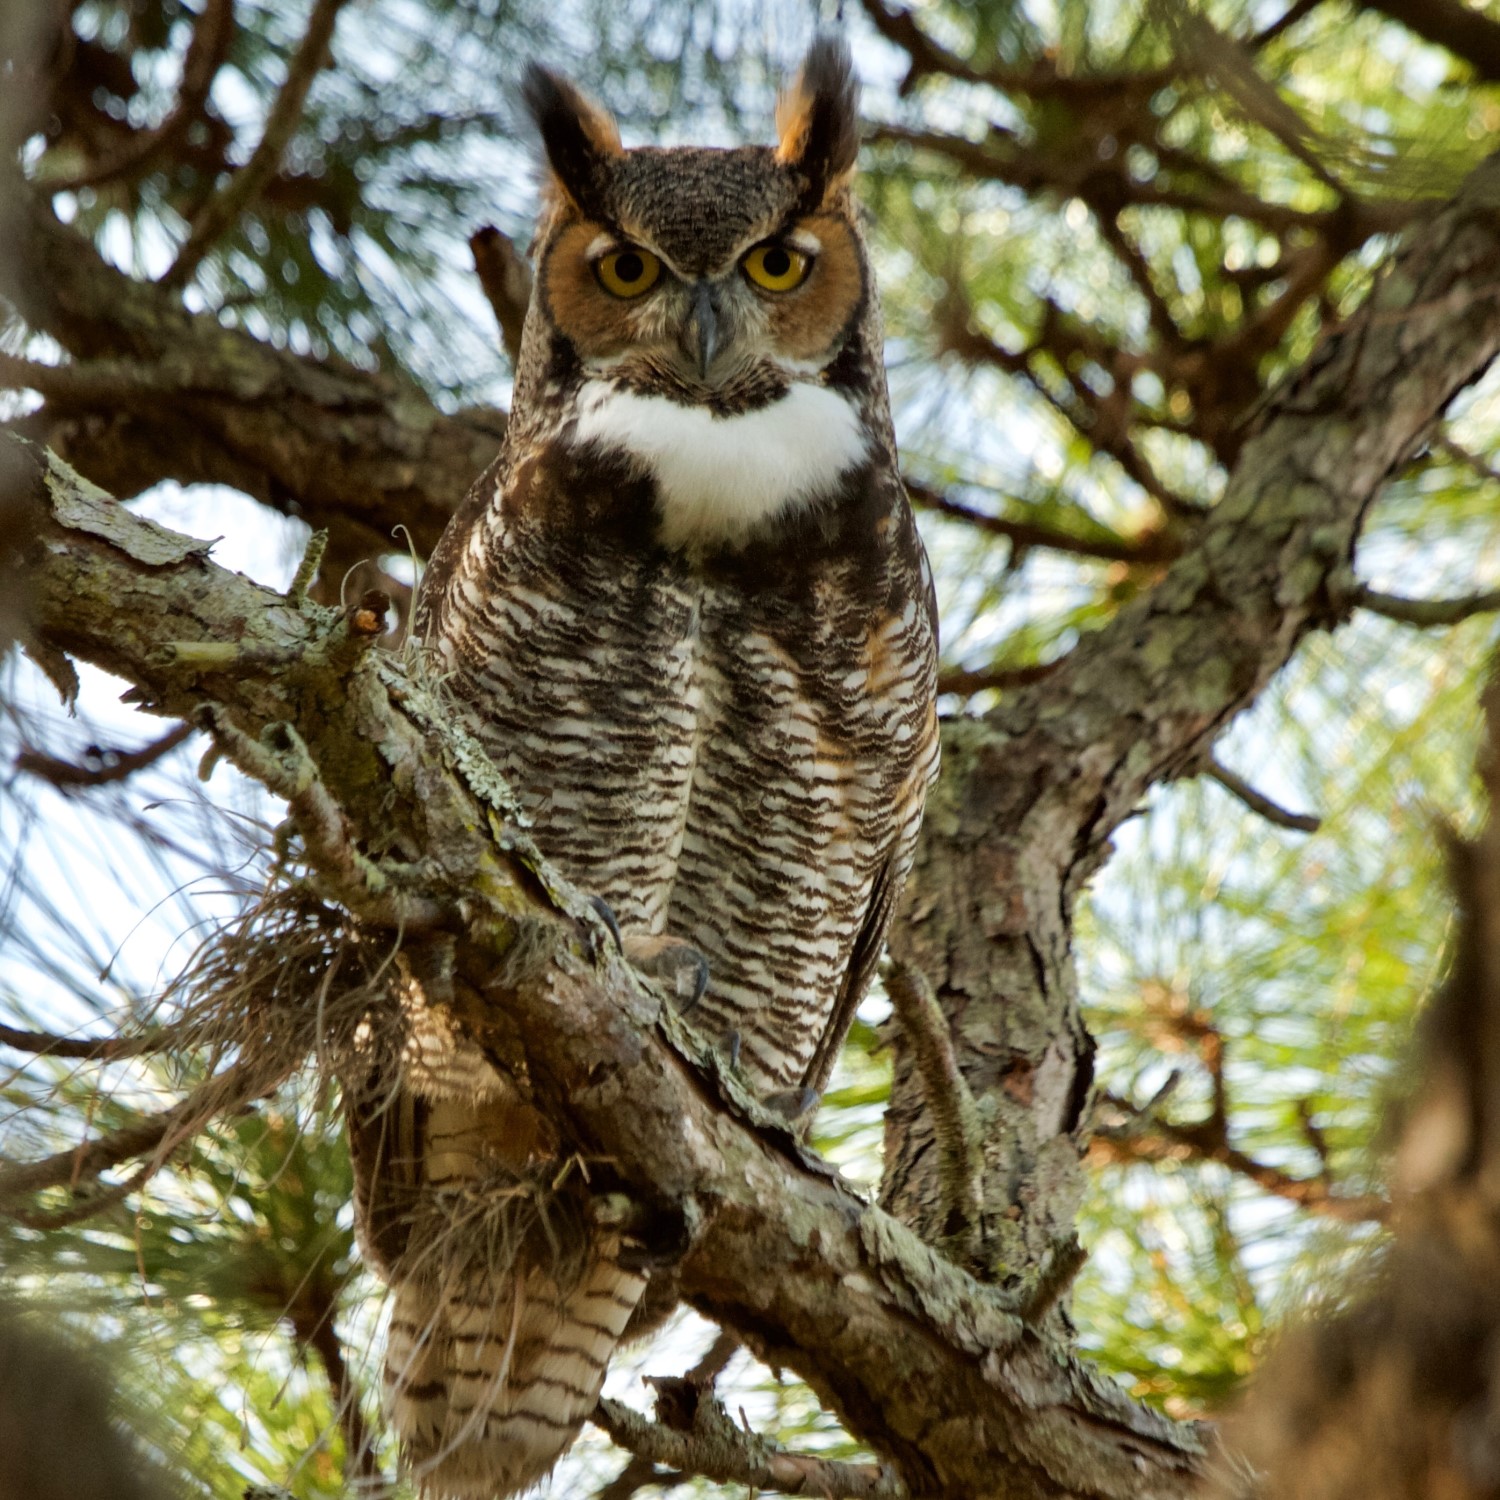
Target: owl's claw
(607, 916)
(795, 1106)
(731, 1045)
(678, 965)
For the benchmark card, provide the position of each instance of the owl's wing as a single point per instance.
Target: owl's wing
(869, 942)
(446, 556)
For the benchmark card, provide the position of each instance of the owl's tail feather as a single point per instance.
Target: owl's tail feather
(488, 1383)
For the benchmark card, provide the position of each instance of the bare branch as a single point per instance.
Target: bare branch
(95, 1049)
(1141, 1136)
(218, 215)
(1427, 613)
(983, 679)
(1467, 33)
(158, 1134)
(506, 278)
(1150, 547)
(110, 765)
(1258, 802)
(717, 1449)
(1041, 80)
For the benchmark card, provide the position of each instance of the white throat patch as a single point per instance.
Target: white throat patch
(720, 479)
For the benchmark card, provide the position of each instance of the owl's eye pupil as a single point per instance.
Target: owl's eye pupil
(629, 267)
(777, 262)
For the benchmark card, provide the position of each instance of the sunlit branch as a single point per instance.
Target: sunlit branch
(218, 215)
(956, 1125)
(1149, 547)
(1427, 613)
(1258, 802)
(716, 1448)
(1141, 1136)
(111, 765)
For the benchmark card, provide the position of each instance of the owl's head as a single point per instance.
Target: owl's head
(715, 278)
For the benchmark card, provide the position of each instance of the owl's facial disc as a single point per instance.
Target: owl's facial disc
(776, 308)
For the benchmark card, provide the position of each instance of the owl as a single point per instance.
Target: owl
(690, 613)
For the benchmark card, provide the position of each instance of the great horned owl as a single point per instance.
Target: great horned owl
(692, 615)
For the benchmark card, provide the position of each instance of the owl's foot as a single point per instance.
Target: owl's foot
(607, 916)
(795, 1106)
(679, 966)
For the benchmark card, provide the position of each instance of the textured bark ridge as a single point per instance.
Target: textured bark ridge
(946, 1374)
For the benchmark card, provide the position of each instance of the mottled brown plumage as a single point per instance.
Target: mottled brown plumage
(691, 612)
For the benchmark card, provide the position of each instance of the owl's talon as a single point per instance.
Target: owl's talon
(607, 916)
(731, 1045)
(794, 1105)
(678, 965)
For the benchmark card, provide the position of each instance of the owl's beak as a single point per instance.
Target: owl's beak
(701, 335)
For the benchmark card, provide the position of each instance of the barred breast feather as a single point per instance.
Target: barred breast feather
(731, 746)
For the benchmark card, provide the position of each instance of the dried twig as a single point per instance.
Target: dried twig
(110, 765)
(1258, 802)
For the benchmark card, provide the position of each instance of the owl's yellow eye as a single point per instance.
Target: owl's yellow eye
(628, 272)
(776, 268)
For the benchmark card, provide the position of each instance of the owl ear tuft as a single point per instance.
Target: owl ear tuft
(578, 133)
(817, 119)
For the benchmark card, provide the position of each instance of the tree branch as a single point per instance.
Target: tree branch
(715, 1448)
(111, 765)
(1258, 802)
(1032, 792)
(1426, 613)
(218, 215)
(156, 392)
(96, 1049)
(1150, 547)
(955, 1118)
(1142, 1136)
(1466, 33)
